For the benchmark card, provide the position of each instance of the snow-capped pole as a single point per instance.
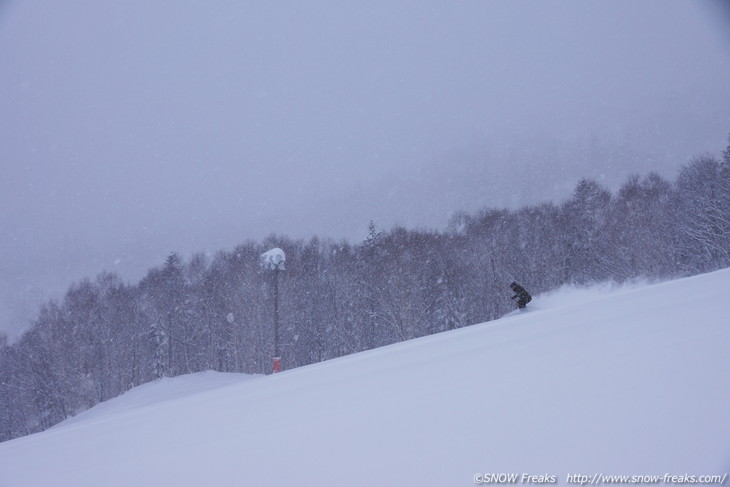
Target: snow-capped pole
(274, 260)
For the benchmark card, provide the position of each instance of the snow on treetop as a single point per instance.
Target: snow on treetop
(273, 259)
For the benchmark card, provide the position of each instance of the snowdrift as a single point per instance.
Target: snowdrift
(629, 382)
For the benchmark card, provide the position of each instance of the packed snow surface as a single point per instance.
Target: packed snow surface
(610, 381)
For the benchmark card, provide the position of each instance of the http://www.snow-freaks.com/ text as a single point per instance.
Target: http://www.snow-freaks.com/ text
(598, 479)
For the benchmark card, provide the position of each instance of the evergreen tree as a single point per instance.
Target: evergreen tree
(105, 337)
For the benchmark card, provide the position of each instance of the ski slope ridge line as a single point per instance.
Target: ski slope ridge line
(631, 383)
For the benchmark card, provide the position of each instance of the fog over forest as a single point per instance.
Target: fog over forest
(303, 302)
(133, 129)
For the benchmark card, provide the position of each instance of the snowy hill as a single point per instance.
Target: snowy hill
(622, 382)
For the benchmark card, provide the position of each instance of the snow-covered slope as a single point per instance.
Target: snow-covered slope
(628, 382)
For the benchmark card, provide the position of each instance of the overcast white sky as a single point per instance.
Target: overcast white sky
(132, 129)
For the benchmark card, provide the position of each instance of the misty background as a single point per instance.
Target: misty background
(133, 129)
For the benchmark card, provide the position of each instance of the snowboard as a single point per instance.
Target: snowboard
(519, 311)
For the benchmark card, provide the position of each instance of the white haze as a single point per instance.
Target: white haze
(132, 129)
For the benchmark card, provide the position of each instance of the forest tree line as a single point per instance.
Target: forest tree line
(336, 298)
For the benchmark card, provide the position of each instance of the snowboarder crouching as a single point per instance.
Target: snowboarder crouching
(522, 294)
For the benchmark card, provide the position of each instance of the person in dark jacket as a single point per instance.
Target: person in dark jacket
(522, 294)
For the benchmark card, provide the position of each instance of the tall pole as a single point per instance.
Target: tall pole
(276, 313)
(274, 260)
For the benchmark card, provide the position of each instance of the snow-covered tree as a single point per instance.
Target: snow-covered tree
(703, 218)
(106, 336)
(585, 222)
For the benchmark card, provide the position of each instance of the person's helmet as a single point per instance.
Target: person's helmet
(514, 284)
